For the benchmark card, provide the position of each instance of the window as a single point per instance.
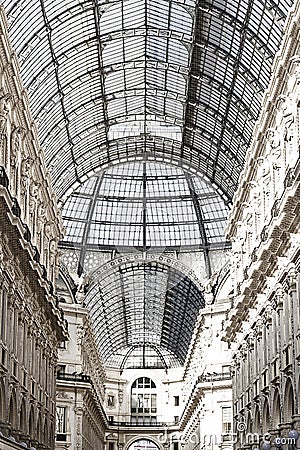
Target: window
(61, 423)
(3, 356)
(110, 419)
(63, 345)
(111, 446)
(176, 400)
(15, 368)
(143, 401)
(61, 369)
(111, 400)
(24, 379)
(226, 369)
(176, 418)
(226, 420)
(3, 308)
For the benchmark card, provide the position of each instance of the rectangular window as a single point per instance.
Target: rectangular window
(61, 369)
(15, 368)
(153, 403)
(146, 403)
(3, 316)
(176, 400)
(226, 419)
(3, 356)
(111, 400)
(226, 369)
(61, 423)
(140, 403)
(111, 446)
(63, 344)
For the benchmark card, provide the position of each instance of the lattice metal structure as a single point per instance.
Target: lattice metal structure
(148, 206)
(121, 90)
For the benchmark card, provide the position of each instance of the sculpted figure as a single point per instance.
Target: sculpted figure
(263, 176)
(290, 120)
(4, 110)
(4, 98)
(25, 174)
(15, 144)
(34, 189)
(274, 157)
(81, 282)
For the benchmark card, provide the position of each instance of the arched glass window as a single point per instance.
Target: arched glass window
(143, 402)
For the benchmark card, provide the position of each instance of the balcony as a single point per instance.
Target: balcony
(210, 377)
(144, 425)
(74, 377)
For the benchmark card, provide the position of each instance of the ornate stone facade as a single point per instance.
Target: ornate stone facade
(81, 420)
(263, 325)
(207, 386)
(32, 324)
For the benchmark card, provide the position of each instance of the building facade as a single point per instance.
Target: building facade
(263, 324)
(32, 323)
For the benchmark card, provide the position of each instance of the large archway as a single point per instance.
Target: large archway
(143, 444)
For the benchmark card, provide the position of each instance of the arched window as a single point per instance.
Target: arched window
(31, 424)
(13, 411)
(40, 429)
(143, 401)
(3, 407)
(23, 424)
(144, 444)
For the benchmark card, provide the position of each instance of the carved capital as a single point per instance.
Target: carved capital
(290, 283)
(259, 328)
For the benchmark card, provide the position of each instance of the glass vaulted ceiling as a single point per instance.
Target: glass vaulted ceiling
(154, 333)
(173, 82)
(180, 80)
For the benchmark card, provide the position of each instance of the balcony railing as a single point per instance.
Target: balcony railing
(146, 424)
(75, 377)
(214, 377)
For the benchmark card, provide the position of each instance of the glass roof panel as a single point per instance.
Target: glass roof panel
(135, 128)
(217, 53)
